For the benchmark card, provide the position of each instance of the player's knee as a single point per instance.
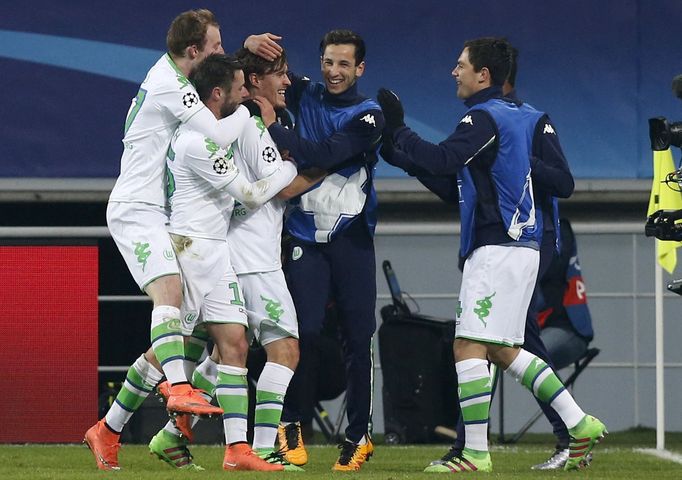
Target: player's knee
(284, 352)
(232, 349)
(166, 290)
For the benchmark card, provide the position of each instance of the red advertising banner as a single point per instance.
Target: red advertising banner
(48, 359)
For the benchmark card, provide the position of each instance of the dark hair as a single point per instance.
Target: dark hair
(512, 69)
(493, 53)
(189, 28)
(345, 37)
(216, 70)
(252, 63)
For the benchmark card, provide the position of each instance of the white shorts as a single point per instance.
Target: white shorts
(272, 315)
(210, 289)
(497, 285)
(139, 231)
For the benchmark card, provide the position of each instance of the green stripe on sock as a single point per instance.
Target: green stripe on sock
(268, 416)
(477, 412)
(475, 387)
(172, 325)
(549, 387)
(193, 350)
(199, 381)
(263, 396)
(167, 350)
(236, 401)
(134, 377)
(531, 372)
(129, 399)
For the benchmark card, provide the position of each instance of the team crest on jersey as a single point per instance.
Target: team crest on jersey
(467, 119)
(190, 99)
(296, 253)
(221, 166)
(269, 154)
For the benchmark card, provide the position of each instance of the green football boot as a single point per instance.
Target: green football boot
(172, 450)
(276, 457)
(468, 461)
(584, 436)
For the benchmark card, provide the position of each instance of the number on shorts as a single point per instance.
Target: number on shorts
(137, 104)
(235, 291)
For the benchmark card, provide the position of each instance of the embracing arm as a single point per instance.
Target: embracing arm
(475, 134)
(302, 183)
(359, 135)
(223, 132)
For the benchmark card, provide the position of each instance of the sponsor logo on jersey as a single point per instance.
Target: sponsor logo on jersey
(549, 129)
(467, 119)
(260, 125)
(296, 253)
(190, 99)
(369, 118)
(483, 310)
(169, 254)
(211, 147)
(274, 309)
(221, 166)
(269, 154)
(142, 253)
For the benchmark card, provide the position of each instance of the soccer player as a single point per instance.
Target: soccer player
(137, 217)
(490, 152)
(203, 180)
(254, 243)
(332, 226)
(551, 179)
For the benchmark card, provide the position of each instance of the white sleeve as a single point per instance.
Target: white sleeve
(253, 195)
(258, 149)
(216, 167)
(223, 131)
(184, 104)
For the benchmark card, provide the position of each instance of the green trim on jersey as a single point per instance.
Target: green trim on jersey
(181, 78)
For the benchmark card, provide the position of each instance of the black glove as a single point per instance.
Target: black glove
(387, 147)
(392, 108)
(253, 108)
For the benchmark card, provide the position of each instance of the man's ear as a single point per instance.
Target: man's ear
(217, 93)
(254, 80)
(360, 69)
(484, 76)
(192, 52)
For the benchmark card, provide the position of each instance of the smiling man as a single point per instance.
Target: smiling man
(332, 226)
(490, 153)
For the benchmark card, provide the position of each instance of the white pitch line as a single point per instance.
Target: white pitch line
(664, 454)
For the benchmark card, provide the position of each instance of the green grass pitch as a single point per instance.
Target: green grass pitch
(615, 458)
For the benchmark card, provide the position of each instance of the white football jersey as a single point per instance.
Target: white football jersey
(254, 237)
(203, 182)
(197, 171)
(165, 100)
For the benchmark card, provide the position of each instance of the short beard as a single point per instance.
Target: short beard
(228, 109)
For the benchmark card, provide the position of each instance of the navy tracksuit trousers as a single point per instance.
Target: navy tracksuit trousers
(343, 270)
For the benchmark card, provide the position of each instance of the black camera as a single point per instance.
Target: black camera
(661, 224)
(663, 134)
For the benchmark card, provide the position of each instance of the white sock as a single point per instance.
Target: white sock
(272, 386)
